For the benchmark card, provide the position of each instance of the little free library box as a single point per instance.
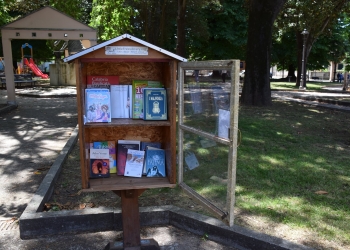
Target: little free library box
(127, 58)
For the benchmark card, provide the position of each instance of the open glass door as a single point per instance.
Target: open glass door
(208, 98)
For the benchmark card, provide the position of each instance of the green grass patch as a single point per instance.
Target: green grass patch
(314, 86)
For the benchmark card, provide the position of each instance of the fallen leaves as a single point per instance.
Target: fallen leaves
(55, 206)
(321, 192)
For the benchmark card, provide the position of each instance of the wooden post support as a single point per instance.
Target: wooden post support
(131, 223)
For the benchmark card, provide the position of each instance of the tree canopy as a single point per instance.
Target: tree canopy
(214, 30)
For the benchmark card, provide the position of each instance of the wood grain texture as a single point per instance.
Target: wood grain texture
(127, 71)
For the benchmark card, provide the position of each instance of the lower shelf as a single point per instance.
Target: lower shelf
(118, 182)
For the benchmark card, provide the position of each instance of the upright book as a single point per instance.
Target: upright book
(155, 104)
(121, 101)
(122, 150)
(155, 162)
(101, 81)
(110, 145)
(137, 95)
(99, 163)
(134, 163)
(144, 146)
(97, 105)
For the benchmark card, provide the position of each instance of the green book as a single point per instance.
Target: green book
(137, 95)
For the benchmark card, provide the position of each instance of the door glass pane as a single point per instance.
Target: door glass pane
(205, 168)
(207, 100)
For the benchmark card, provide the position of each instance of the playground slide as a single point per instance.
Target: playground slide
(35, 68)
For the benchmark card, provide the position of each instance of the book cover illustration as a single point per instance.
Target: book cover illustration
(110, 145)
(99, 163)
(155, 162)
(137, 96)
(122, 150)
(97, 103)
(155, 104)
(101, 81)
(121, 101)
(134, 163)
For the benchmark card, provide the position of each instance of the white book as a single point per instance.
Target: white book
(121, 101)
(99, 153)
(224, 123)
(134, 163)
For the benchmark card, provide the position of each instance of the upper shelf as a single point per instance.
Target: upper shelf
(127, 122)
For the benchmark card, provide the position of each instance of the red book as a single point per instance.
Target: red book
(101, 81)
(122, 150)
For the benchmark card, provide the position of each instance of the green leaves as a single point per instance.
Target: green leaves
(111, 18)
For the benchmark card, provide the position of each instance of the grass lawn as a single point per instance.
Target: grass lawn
(293, 168)
(311, 86)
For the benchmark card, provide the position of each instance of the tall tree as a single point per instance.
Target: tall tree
(221, 32)
(111, 18)
(256, 88)
(181, 35)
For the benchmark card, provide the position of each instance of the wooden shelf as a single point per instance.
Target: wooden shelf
(128, 122)
(118, 182)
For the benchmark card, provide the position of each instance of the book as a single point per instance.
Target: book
(121, 101)
(145, 144)
(155, 162)
(99, 163)
(134, 163)
(122, 150)
(110, 145)
(155, 104)
(137, 95)
(101, 81)
(97, 105)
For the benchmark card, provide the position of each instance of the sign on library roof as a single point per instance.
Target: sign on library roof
(124, 50)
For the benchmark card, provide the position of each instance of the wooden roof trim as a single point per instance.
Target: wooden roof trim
(116, 39)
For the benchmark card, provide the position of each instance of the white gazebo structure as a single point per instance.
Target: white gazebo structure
(46, 23)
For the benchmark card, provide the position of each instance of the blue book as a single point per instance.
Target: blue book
(155, 104)
(155, 162)
(97, 105)
(145, 144)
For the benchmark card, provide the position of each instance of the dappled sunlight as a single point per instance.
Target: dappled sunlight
(65, 114)
(250, 139)
(33, 135)
(345, 179)
(318, 111)
(272, 160)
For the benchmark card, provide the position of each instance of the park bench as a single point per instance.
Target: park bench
(19, 79)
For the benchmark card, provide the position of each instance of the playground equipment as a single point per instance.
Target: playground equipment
(30, 64)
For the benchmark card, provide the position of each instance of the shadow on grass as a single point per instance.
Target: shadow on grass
(290, 153)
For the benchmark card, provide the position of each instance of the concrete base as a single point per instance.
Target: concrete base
(146, 244)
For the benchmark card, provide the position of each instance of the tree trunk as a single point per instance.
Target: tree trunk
(291, 70)
(256, 88)
(181, 10)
